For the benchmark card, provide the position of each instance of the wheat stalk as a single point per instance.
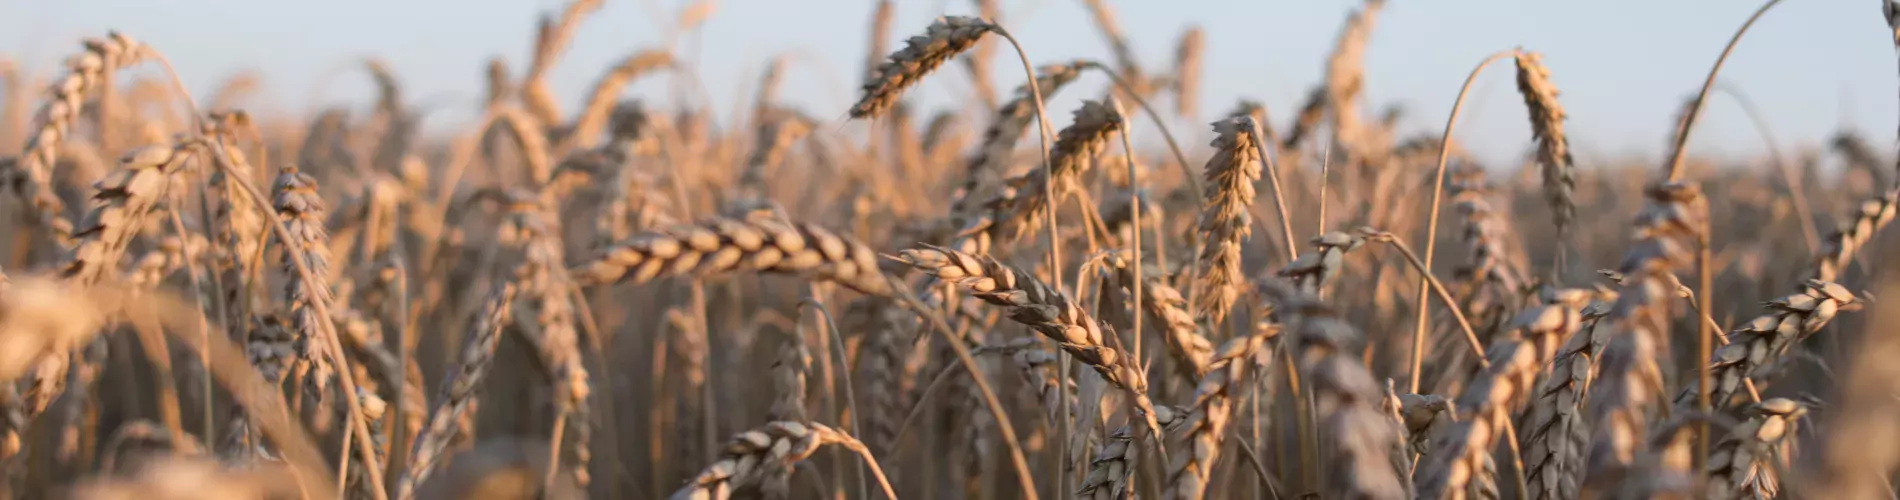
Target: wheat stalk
(593, 118)
(1630, 381)
(1006, 128)
(1036, 191)
(1345, 76)
(1838, 249)
(1555, 432)
(529, 229)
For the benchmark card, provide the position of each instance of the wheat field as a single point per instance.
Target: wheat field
(632, 298)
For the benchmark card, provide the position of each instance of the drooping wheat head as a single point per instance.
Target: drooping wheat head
(30, 178)
(945, 38)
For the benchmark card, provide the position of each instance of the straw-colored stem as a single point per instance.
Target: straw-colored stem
(1437, 288)
(844, 374)
(1431, 233)
(1689, 120)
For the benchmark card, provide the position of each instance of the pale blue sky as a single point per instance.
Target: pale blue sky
(1623, 65)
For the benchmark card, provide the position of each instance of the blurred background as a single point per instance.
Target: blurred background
(1624, 66)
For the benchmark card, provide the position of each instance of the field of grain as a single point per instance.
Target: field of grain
(597, 297)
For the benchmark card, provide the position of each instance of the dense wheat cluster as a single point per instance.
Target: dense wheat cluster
(642, 299)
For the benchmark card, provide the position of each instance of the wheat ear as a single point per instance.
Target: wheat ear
(31, 176)
(1224, 221)
(1737, 466)
(1205, 423)
(461, 390)
(1629, 382)
(1461, 458)
(1363, 440)
(945, 38)
(720, 246)
(750, 455)
(1028, 301)
(1553, 151)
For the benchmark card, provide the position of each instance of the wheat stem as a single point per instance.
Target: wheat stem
(1431, 230)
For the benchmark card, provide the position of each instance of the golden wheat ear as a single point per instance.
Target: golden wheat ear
(922, 54)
